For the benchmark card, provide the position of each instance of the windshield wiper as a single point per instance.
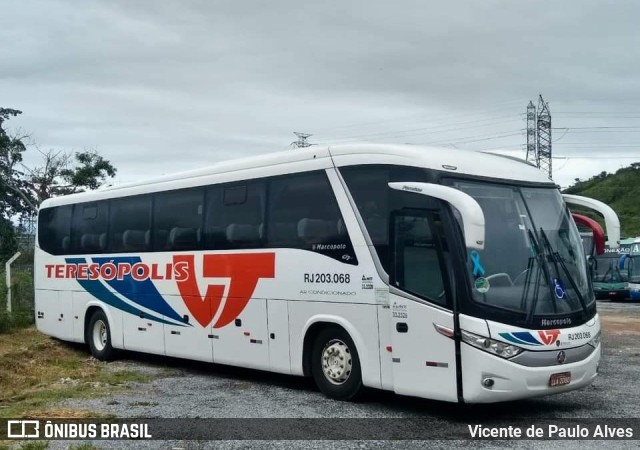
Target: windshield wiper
(527, 278)
(542, 267)
(557, 259)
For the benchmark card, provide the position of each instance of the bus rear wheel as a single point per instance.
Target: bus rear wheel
(99, 337)
(335, 365)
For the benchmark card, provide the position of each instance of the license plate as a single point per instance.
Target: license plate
(559, 379)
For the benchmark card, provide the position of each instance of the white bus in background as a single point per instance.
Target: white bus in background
(443, 274)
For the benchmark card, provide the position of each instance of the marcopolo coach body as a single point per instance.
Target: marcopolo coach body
(454, 275)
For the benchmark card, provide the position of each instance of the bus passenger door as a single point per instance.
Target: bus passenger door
(423, 357)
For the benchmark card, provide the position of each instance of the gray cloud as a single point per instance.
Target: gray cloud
(165, 86)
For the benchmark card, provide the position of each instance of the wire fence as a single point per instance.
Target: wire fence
(22, 295)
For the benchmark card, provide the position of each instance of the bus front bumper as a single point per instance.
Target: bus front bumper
(511, 381)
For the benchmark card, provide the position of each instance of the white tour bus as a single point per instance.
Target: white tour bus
(438, 273)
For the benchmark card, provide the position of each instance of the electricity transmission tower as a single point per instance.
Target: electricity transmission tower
(543, 156)
(539, 135)
(302, 140)
(531, 132)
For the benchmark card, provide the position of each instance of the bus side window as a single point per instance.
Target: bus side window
(177, 219)
(89, 228)
(304, 214)
(368, 185)
(54, 227)
(235, 216)
(129, 224)
(417, 264)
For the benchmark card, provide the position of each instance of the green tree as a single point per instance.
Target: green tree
(14, 189)
(23, 188)
(62, 173)
(620, 190)
(8, 245)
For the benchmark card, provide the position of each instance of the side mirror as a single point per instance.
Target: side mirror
(471, 212)
(611, 220)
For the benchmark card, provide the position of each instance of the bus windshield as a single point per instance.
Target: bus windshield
(533, 260)
(608, 271)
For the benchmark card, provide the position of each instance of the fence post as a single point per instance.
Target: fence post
(7, 268)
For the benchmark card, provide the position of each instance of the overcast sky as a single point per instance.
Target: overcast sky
(161, 86)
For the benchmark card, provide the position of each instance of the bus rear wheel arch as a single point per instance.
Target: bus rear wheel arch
(98, 335)
(334, 363)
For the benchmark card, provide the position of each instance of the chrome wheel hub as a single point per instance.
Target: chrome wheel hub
(336, 362)
(99, 335)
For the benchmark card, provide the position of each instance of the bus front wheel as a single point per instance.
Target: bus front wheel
(99, 337)
(335, 364)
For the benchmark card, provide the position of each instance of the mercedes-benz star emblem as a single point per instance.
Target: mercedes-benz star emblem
(561, 357)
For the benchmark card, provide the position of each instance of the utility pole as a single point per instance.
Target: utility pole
(531, 132)
(302, 140)
(543, 155)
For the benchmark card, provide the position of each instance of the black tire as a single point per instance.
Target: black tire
(99, 343)
(347, 385)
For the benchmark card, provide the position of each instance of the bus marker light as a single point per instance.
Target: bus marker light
(437, 364)
(448, 332)
(389, 348)
(246, 333)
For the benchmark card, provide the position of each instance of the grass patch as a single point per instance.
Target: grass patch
(37, 371)
(36, 445)
(15, 319)
(83, 446)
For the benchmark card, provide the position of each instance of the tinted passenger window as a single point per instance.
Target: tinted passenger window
(129, 226)
(89, 228)
(235, 216)
(375, 200)
(177, 220)
(304, 214)
(54, 227)
(417, 264)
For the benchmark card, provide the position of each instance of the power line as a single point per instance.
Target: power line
(491, 137)
(597, 157)
(593, 128)
(498, 107)
(416, 131)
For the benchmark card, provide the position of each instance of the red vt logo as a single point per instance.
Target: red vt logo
(244, 271)
(549, 336)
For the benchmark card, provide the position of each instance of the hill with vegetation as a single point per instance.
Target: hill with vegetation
(620, 190)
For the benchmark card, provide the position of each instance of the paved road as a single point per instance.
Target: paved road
(607, 307)
(194, 390)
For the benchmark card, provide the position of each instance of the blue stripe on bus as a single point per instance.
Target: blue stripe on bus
(99, 291)
(515, 338)
(144, 293)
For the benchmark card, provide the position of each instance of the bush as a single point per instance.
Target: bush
(15, 319)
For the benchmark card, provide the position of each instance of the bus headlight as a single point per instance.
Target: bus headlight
(491, 346)
(596, 340)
